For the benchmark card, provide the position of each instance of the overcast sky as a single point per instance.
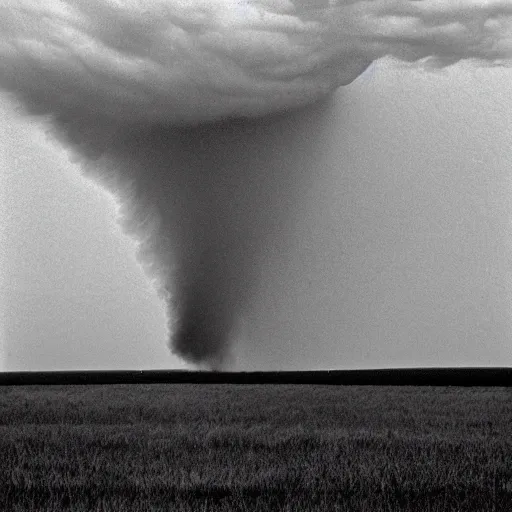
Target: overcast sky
(401, 255)
(288, 199)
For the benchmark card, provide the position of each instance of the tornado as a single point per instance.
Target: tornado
(203, 119)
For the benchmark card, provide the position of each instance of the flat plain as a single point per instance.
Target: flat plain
(227, 447)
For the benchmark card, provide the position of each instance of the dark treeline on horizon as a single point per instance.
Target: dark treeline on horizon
(382, 377)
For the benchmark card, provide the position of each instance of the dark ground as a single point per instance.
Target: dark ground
(227, 447)
(385, 377)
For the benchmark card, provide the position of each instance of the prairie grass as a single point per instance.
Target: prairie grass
(225, 447)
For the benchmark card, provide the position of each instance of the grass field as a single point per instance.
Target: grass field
(190, 447)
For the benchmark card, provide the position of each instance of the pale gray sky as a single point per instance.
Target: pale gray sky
(401, 256)
(75, 298)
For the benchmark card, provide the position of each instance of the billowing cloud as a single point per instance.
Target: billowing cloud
(156, 99)
(187, 61)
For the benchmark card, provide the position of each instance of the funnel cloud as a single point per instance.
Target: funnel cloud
(197, 116)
